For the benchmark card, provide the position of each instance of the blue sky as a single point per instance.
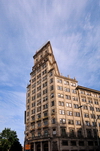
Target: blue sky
(72, 27)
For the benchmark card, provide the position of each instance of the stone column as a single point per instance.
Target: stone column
(49, 146)
(41, 146)
(34, 147)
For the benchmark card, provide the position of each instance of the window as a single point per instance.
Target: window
(39, 124)
(68, 97)
(43, 66)
(51, 80)
(66, 89)
(28, 101)
(39, 116)
(52, 95)
(88, 93)
(73, 84)
(44, 84)
(45, 91)
(79, 133)
(60, 95)
(61, 112)
(33, 117)
(51, 87)
(85, 107)
(73, 143)
(74, 91)
(38, 76)
(91, 108)
(33, 85)
(87, 123)
(44, 78)
(53, 121)
(76, 106)
(33, 134)
(32, 125)
(33, 104)
(28, 94)
(33, 80)
(38, 94)
(53, 111)
(39, 133)
(38, 82)
(33, 74)
(38, 70)
(38, 109)
(63, 121)
(75, 98)
(71, 132)
(59, 80)
(27, 113)
(45, 106)
(51, 73)
(96, 102)
(93, 116)
(52, 103)
(82, 92)
(38, 102)
(33, 111)
(98, 116)
(66, 82)
(44, 72)
(77, 114)
(64, 143)
(94, 124)
(46, 132)
(54, 131)
(97, 109)
(63, 132)
(33, 97)
(81, 143)
(45, 122)
(61, 103)
(90, 101)
(86, 115)
(59, 87)
(45, 98)
(70, 122)
(27, 107)
(45, 114)
(90, 143)
(78, 122)
(68, 104)
(33, 91)
(70, 113)
(38, 88)
(83, 99)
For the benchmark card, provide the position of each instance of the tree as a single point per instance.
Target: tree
(7, 139)
(16, 146)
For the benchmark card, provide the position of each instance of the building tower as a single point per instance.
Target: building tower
(53, 119)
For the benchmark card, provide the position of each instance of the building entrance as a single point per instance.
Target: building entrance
(38, 147)
(45, 147)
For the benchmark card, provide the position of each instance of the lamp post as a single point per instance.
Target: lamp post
(95, 119)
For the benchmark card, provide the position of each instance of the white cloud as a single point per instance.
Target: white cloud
(12, 107)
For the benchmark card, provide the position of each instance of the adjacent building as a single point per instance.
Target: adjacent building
(60, 115)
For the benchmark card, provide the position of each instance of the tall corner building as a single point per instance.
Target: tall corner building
(60, 115)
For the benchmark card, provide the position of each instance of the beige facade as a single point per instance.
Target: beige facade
(53, 119)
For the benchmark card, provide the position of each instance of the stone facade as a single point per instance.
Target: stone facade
(60, 115)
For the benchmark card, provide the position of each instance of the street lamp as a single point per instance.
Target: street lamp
(95, 119)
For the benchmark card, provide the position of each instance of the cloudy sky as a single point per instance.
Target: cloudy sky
(72, 27)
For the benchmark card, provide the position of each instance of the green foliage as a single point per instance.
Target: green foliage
(8, 139)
